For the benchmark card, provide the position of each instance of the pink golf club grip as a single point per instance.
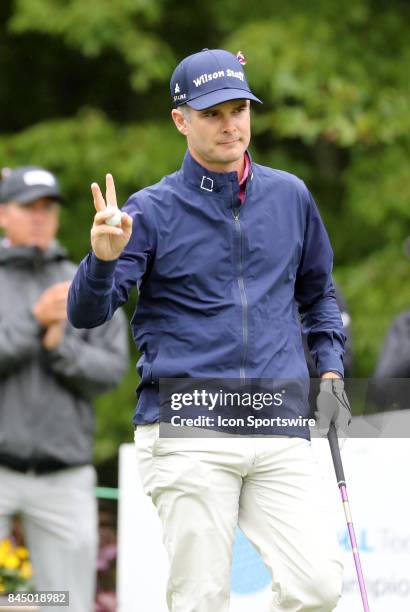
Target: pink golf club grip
(337, 463)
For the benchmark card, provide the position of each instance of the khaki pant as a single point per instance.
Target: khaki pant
(203, 487)
(59, 514)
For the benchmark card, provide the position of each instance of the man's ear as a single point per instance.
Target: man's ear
(179, 120)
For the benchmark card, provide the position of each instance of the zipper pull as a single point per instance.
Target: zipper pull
(235, 212)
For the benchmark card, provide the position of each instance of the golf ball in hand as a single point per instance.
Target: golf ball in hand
(116, 217)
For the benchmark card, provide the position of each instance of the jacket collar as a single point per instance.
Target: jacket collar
(208, 181)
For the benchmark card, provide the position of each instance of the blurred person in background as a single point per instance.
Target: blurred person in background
(394, 358)
(390, 387)
(49, 374)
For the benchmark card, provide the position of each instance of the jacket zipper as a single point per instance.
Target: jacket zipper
(242, 292)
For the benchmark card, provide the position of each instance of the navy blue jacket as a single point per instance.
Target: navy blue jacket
(219, 282)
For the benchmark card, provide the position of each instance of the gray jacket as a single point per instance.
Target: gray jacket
(394, 359)
(45, 396)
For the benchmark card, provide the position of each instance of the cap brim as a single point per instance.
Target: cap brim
(221, 95)
(36, 192)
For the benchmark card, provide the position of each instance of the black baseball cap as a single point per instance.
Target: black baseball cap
(209, 77)
(28, 183)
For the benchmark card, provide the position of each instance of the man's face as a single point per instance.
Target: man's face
(33, 224)
(218, 136)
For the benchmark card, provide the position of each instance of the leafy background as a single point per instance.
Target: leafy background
(84, 90)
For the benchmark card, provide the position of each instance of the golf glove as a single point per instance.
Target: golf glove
(332, 406)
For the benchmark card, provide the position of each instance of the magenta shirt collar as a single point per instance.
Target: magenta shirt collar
(244, 178)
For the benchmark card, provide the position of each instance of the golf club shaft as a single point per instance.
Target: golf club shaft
(337, 463)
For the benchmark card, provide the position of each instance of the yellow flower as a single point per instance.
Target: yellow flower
(11, 562)
(21, 552)
(5, 549)
(26, 570)
(5, 545)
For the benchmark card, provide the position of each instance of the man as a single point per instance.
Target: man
(394, 358)
(49, 373)
(390, 387)
(221, 251)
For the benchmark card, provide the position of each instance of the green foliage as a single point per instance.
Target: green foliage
(378, 185)
(376, 290)
(88, 93)
(123, 25)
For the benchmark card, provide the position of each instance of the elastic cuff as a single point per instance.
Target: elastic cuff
(98, 268)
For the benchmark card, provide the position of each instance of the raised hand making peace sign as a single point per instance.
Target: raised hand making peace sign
(108, 241)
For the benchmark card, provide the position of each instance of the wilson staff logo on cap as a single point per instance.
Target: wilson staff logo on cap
(210, 77)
